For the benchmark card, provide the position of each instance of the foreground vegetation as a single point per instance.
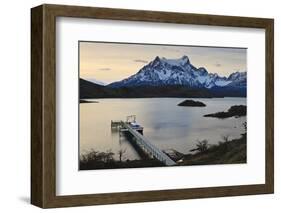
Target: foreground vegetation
(230, 152)
(225, 152)
(104, 160)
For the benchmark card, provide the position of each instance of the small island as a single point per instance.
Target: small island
(192, 103)
(234, 111)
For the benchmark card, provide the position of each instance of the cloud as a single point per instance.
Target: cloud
(105, 69)
(140, 61)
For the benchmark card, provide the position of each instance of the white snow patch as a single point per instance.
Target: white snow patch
(222, 83)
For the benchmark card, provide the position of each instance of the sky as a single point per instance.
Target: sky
(109, 62)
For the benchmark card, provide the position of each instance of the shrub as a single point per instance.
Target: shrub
(202, 146)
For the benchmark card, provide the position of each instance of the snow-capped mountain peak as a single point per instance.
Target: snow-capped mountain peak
(237, 76)
(163, 71)
(169, 62)
(184, 60)
(238, 79)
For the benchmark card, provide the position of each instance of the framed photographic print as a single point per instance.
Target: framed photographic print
(136, 106)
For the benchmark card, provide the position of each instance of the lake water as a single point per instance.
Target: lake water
(166, 125)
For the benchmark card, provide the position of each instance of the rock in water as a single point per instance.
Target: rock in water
(192, 103)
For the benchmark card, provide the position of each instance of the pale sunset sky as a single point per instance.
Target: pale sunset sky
(109, 62)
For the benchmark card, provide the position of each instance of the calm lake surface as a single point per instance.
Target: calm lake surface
(166, 125)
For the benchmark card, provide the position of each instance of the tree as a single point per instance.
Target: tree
(121, 153)
(225, 138)
(245, 126)
(94, 156)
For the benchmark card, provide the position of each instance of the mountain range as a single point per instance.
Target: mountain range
(162, 71)
(170, 78)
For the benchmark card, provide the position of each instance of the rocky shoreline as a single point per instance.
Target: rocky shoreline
(233, 111)
(82, 101)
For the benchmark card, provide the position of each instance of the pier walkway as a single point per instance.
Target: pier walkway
(143, 143)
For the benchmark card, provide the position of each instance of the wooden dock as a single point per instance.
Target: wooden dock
(143, 143)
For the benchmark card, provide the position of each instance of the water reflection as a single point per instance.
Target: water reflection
(165, 124)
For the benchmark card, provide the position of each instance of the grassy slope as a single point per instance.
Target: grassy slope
(231, 152)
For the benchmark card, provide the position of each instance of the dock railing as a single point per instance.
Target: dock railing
(147, 146)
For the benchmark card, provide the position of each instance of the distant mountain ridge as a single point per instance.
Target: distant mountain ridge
(95, 81)
(89, 90)
(163, 72)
